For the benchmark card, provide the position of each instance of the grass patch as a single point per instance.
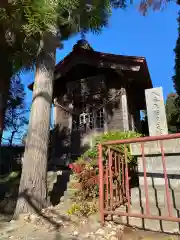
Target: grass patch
(10, 177)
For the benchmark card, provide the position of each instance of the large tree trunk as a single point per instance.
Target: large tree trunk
(33, 185)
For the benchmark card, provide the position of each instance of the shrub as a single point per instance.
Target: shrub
(91, 156)
(86, 167)
(84, 209)
(88, 177)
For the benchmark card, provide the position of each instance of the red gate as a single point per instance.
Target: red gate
(115, 173)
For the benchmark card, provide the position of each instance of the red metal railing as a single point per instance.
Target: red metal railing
(115, 174)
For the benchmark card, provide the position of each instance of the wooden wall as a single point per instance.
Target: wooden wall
(121, 114)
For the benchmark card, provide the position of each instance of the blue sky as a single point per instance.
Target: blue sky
(130, 33)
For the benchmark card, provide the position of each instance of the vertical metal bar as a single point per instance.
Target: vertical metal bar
(166, 180)
(107, 184)
(101, 184)
(127, 177)
(145, 179)
(110, 179)
(118, 176)
(115, 159)
(123, 178)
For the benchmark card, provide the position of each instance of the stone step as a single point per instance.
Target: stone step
(157, 196)
(149, 224)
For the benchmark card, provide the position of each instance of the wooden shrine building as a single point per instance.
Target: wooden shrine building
(95, 91)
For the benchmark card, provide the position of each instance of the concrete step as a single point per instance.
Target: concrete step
(157, 196)
(149, 224)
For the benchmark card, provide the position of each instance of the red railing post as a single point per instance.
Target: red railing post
(101, 184)
(107, 185)
(110, 178)
(116, 190)
(127, 177)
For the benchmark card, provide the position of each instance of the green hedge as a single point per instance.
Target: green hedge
(92, 153)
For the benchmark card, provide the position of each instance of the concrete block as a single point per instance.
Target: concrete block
(171, 146)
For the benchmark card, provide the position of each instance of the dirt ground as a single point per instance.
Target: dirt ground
(74, 228)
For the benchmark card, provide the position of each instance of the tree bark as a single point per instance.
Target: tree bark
(33, 185)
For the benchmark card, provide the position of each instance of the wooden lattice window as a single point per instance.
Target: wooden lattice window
(90, 118)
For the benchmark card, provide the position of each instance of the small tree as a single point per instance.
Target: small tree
(18, 49)
(176, 77)
(173, 113)
(15, 116)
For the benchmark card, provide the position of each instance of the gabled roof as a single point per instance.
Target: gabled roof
(82, 50)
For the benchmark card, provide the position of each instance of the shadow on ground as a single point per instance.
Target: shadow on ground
(59, 187)
(9, 192)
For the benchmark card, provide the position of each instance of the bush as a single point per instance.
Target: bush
(91, 156)
(84, 209)
(86, 167)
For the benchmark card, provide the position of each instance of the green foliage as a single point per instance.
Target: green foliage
(84, 209)
(176, 77)
(173, 101)
(21, 49)
(92, 153)
(87, 170)
(10, 177)
(23, 23)
(173, 112)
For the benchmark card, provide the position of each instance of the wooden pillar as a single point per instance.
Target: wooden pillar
(124, 106)
(105, 120)
(132, 122)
